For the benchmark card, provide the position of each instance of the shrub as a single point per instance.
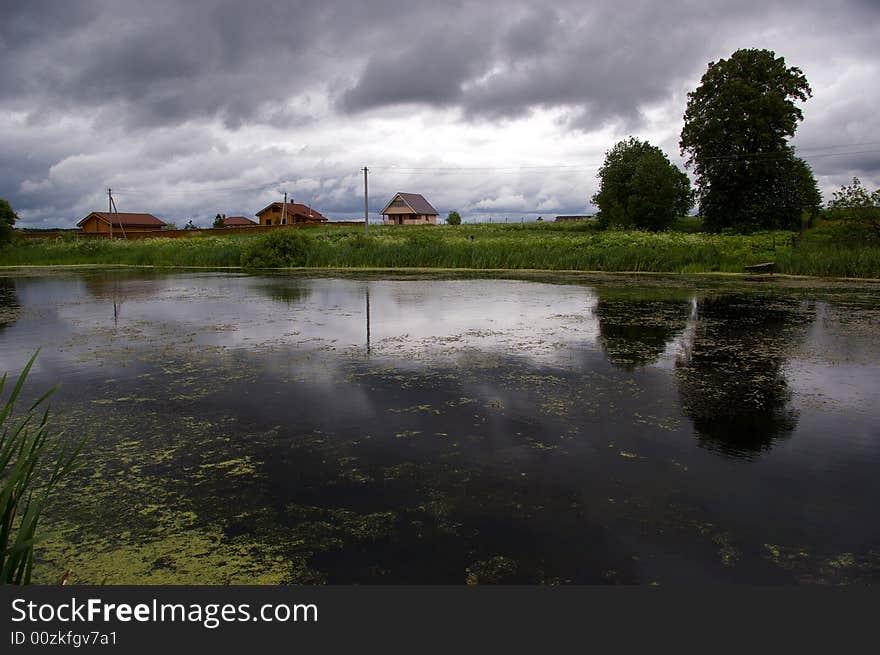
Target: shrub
(454, 218)
(857, 206)
(282, 248)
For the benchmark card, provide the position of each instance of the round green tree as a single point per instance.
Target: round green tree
(736, 130)
(639, 187)
(7, 220)
(454, 218)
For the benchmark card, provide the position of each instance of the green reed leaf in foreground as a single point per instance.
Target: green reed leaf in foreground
(32, 461)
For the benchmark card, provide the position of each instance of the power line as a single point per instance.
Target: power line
(840, 145)
(203, 189)
(783, 154)
(595, 165)
(846, 154)
(482, 168)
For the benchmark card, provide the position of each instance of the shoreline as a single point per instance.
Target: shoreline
(471, 272)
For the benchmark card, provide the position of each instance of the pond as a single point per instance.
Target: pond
(591, 430)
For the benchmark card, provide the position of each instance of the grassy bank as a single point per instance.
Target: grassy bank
(530, 246)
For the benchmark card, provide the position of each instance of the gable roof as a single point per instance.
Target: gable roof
(416, 202)
(237, 220)
(295, 209)
(123, 219)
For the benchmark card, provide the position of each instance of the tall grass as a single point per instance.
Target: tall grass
(194, 251)
(834, 248)
(25, 483)
(548, 246)
(832, 260)
(544, 247)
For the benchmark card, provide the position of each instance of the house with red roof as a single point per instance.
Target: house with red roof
(237, 221)
(291, 213)
(409, 209)
(119, 224)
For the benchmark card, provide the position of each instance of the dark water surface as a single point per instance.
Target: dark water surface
(247, 429)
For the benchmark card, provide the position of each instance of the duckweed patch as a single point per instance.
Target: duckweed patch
(842, 569)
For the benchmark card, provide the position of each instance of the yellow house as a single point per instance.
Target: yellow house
(293, 213)
(99, 222)
(409, 209)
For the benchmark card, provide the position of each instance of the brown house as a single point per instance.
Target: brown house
(99, 222)
(279, 214)
(238, 221)
(409, 209)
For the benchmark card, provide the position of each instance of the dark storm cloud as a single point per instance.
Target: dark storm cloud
(533, 33)
(163, 63)
(587, 65)
(166, 62)
(418, 73)
(602, 60)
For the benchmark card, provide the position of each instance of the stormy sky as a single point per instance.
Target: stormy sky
(496, 108)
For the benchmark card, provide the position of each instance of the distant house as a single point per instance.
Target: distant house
(237, 221)
(99, 222)
(293, 213)
(409, 209)
(562, 219)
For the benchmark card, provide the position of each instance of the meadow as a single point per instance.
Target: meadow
(543, 246)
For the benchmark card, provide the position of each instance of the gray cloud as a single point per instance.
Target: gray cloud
(429, 71)
(165, 62)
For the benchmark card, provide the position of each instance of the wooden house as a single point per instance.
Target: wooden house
(565, 219)
(409, 209)
(237, 221)
(294, 213)
(123, 223)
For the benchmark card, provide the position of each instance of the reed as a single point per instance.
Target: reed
(32, 462)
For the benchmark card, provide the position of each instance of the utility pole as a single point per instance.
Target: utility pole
(110, 209)
(366, 205)
(284, 210)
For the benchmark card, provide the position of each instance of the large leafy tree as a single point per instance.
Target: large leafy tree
(639, 187)
(736, 130)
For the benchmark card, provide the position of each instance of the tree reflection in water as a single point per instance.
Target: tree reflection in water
(635, 330)
(9, 307)
(731, 379)
(284, 290)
